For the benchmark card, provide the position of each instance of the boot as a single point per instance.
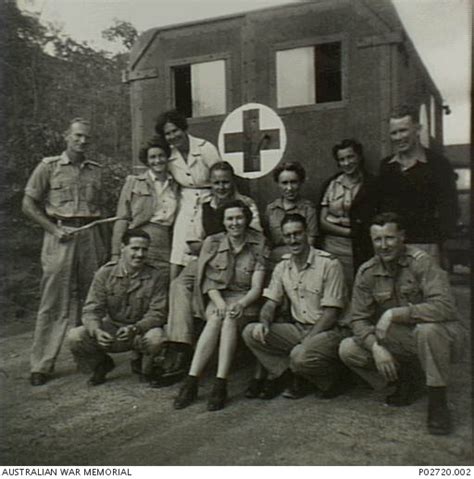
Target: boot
(409, 387)
(439, 420)
(100, 371)
(254, 388)
(187, 394)
(218, 396)
(176, 369)
(298, 388)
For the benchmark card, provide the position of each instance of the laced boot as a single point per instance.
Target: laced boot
(187, 394)
(218, 396)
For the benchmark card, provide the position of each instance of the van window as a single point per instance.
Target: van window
(309, 75)
(200, 88)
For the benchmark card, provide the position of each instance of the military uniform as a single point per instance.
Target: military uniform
(71, 195)
(290, 344)
(434, 333)
(117, 298)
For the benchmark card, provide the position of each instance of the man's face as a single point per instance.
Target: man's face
(77, 138)
(175, 136)
(157, 160)
(348, 160)
(290, 184)
(388, 241)
(295, 236)
(404, 133)
(222, 183)
(134, 253)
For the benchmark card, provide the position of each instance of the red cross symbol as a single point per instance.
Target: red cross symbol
(252, 140)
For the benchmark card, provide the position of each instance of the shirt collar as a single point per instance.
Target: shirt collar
(250, 238)
(381, 269)
(309, 260)
(278, 203)
(121, 271)
(65, 160)
(420, 158)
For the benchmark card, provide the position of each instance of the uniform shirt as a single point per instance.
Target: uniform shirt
(230, 269)
(193, 173)
(166, 201)
(275, 212)
(418, 283)
(318, 284)
(338, 198)
(68, 190)
(424, 195)
(124, 299)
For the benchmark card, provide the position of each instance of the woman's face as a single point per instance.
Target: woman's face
(157, 160)
(175, 136)
(222, 184)
(290, 184)
(348, 161)
(235, 222)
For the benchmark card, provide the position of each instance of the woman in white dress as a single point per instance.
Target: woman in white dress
(190, 162)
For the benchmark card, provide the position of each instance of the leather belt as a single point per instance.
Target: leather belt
(74, 222)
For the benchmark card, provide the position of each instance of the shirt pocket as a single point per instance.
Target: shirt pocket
(383, 297)
(216, 269)
(60, 192)
(410, 292)
(142, 200)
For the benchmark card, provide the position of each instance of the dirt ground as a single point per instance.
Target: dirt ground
(124, 422)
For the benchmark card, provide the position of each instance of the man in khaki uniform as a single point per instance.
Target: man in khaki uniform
(403, 311)
(125, 310)
(313, 282)
(62, 194)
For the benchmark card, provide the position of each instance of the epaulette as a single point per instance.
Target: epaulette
(110, 263)
(325, 254)
(416, 253)
(51, 159)
(367, 265)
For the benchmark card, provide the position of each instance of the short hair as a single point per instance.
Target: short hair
(290, 166)
(349, 143)
(403, 110)
(382, 219)
(78, 119)
(222, 166)
(294, 218)
(134, 233)
(170, 116)
(236, 204)
(154, 142)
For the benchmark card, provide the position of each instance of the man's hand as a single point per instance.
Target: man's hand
(260, 332)
(125, 333)
(221, 308)
(383, 324)
(103, 338)
(62, 235)
(236, 310)
(385, 362)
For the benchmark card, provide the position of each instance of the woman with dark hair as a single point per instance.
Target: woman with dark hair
(190, 162)
(289, 177)
(346, 209)
(231, 271)
(149, 201)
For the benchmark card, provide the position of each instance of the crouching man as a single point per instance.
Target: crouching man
(313, 282)
(125, 310)
(403, 314)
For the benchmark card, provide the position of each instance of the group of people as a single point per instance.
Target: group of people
(317, 293)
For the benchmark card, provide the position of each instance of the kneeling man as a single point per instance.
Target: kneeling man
(403, 311)
(313, 282)
(125, 310)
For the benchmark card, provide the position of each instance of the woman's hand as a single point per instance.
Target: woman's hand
(236, 310)
(221, 308)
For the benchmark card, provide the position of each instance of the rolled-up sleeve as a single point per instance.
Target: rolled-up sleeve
(334, 292)
(276, 290)
(38, 183)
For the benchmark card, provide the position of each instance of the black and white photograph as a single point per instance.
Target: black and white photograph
(235, 233)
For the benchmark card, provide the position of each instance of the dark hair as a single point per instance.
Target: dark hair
(289, 166)
(349, 143)
(403, 110)
(154, 142)
(236, 204)
(383, 218)
(222, 166)
(294, 218)
(170, 116)
(134, 233)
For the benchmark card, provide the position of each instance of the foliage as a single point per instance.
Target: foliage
(125, 32)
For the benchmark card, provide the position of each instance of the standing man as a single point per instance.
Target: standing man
(313, 281)
(125, 310)
(403, 311)
(62, 194)
(418, 184)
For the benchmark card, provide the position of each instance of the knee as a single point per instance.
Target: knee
(154, 339)
(76, 336)
(350, 353)
(427, 331)
(247, 333)
(298, 358)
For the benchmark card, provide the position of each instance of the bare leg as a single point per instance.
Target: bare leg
(227, 346)
(205, 346)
